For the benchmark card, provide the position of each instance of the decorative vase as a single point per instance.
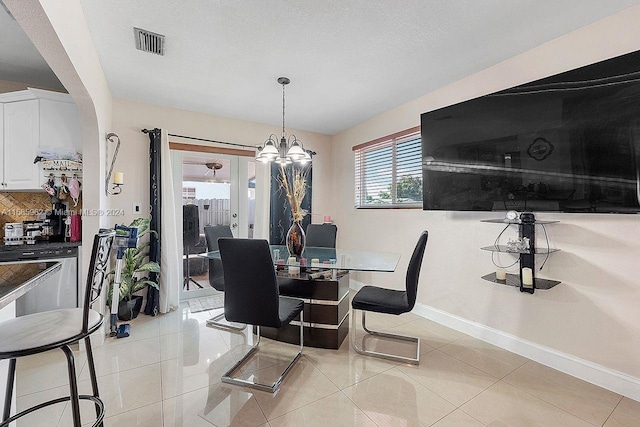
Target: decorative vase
(128, 310)
(296, 239)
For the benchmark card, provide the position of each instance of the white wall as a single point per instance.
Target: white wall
(593, 314)
(129, 117)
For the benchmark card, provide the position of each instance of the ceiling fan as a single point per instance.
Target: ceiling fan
(212, 166)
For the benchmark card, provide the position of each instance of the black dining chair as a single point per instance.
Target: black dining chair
(321, 235)
(390, 301)
(216, 273)
(58, 329)
(252, 297)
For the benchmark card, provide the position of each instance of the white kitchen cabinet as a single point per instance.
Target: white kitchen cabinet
(34, 118)
(21, 139)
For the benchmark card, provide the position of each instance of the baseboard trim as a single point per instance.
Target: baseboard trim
(593, 373)
(599, 375)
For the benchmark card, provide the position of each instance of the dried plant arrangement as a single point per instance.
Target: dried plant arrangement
(295, 188)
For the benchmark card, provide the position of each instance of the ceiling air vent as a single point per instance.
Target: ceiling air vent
(147, 41)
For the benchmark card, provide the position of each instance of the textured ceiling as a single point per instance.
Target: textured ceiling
(348, 60)
(19, 59)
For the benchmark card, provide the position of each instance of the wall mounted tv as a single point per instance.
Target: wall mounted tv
(566, 143)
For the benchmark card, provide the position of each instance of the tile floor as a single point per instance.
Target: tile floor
(167, 373)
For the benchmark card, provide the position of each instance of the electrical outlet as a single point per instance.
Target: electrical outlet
(137, 209)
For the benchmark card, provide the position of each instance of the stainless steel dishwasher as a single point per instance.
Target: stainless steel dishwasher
(60, 290)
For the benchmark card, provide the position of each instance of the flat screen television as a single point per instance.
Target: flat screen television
(566, 143)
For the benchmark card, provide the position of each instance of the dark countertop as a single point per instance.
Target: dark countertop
(39, 245)
(16, 279)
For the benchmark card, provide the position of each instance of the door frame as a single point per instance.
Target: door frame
(239, 204)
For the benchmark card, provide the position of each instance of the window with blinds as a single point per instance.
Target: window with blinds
(388, 171)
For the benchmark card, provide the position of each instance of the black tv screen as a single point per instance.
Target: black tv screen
(566, 143)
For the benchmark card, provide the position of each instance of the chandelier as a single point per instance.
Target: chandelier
(288, 150)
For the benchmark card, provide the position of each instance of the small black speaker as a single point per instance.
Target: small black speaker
(190, 225)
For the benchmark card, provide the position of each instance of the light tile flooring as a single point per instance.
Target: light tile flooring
(167, 373)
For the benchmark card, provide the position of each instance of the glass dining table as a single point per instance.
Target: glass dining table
(329, 258)
(320, 277)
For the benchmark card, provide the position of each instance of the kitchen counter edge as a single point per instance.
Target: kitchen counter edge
(42, 245)
(25, 287)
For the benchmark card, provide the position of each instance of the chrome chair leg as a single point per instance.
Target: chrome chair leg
(361, 350)
(271, 388)
(219, 322)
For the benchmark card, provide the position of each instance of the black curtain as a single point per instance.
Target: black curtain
(153, 295)
(280, 212)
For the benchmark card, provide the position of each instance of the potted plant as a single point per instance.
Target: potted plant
(132, 276)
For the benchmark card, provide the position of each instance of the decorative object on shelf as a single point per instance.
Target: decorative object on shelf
(524, 247)
(527, 278)
(118, 177)
(511, 216)
(289, 150)
(61, 165)
(134, 264)
(294, 185)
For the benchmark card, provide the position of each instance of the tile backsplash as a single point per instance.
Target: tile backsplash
(24, 206)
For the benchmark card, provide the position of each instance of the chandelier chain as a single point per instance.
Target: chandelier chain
(283, 133)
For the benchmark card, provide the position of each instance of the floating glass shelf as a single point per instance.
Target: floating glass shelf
(504, 248)
(527, 255)
(514, 280)
(515, 221)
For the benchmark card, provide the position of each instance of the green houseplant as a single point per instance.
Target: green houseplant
(134, 275)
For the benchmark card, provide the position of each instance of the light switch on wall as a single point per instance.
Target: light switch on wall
(136, 209)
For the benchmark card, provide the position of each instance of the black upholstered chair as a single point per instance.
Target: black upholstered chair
(216, 274)
(40, 332)
(251, 296)
(212, 233)
(321, 235)
(390, 301)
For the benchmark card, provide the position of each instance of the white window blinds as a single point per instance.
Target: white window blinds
(388, 171)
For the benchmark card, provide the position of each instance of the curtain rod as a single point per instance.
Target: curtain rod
(253, 147)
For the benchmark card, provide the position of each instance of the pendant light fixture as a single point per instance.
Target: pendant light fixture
(288, 150)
